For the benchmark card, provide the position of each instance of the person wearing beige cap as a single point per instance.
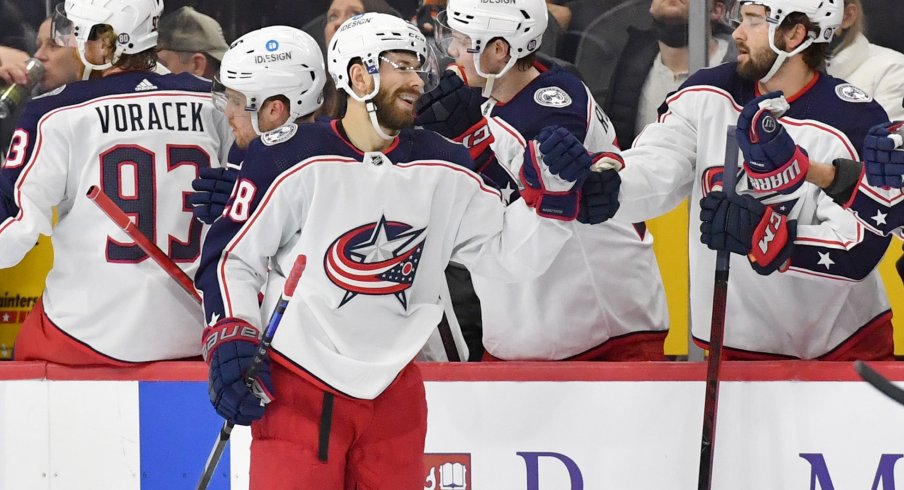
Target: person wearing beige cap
(190, 41)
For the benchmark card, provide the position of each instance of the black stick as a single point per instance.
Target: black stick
(717, 329)
(879, 382)
(223, 437)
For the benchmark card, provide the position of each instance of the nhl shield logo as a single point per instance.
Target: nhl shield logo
(552, 97)
(447, 471)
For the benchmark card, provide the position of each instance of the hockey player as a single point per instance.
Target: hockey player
(615, 306)
(801, 247)
(379, 210)
(260, 93)
(872, 190)
(141, 138)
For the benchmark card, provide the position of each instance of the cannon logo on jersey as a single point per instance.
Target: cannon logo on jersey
(279, 135)
(375, 259)
(850, 93)
(552, 97)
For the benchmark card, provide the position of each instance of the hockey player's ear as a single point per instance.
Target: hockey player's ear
(360, 81)
(792, 36)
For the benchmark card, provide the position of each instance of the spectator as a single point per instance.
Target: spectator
(654, 63)
(878, 71)
(61, 66)
(609, 302)
(191, 42)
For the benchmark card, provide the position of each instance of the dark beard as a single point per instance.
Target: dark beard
(758, 66)
(670, 33)
(388, 115)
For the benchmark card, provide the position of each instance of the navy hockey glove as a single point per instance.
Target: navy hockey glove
(452, 109)
(229, 348)
(599, 197)
(774, 163)
(555, 167)
(883, 156)
(745, 226)
(212, 188)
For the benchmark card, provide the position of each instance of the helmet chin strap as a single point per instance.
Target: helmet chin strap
(491, 77)
(372, 113)
(782, 55)
(89, 67)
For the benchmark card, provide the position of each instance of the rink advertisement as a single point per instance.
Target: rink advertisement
(522, 426)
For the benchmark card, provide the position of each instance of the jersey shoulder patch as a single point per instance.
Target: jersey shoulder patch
(279, 135)
(552, 97)
(852, 93)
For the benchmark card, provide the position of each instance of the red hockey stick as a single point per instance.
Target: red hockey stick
(717, 329)
(125, 224)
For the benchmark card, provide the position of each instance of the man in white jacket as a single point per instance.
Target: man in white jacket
(877, 70)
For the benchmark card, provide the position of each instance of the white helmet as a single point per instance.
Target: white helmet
(366, 37)
(275, 60)
(133, 21)
(826, 15)
(521, 23)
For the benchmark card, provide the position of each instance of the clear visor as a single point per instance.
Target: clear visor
(228, 101)
(736, 14)
(427, 68)
(61, 28)
(448, 39)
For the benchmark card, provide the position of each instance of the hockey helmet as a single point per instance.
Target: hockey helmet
(275, 60)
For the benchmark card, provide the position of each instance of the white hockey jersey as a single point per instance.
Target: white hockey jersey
(141, 137)
(378, 230)
(831, 290)
(605, 282)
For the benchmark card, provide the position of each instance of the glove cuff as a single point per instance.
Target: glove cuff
(227, 330)
(772, 244)
(783, 180)
(560, 206)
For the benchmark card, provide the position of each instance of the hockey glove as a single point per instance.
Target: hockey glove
(774, 163)
(555, 167)
(453, 110)
(212, 188)
(229, 348)
(599, 197)
(745, 226)
(883, 156)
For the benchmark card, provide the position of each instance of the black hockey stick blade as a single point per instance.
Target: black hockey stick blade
(717, 329)
(879, 382)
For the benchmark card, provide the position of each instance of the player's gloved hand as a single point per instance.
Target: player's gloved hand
(774, 163)
(452, 109)
(229, 348)
(212, 188)
(745, 226)
(599, 196)
(555, 167)
(883, 155)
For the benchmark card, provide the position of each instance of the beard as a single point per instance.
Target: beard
(389, 115)
(759, 63)
(672, 32)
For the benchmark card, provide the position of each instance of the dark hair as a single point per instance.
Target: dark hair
(816, 53)
(144, 60)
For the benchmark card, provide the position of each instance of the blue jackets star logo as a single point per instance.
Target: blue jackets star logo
(375, 259)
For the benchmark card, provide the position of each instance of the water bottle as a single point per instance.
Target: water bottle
(15, 94)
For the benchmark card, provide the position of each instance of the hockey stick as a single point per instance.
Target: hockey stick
(288, 290)
(879, 382)
(125, 224)
(717, 329)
